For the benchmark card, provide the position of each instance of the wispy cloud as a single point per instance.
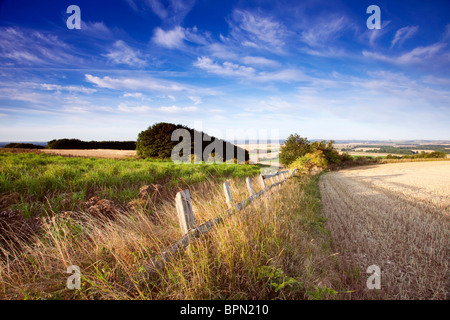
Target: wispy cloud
(403, 34)
(123, 107)
(121, 53)
(257, 30)
(171, 12)
(419, 55)
(322, 32)
(230, 69)
(146, 84)
(225, 69)
(24, 47)
(260, 61)
(170, 39)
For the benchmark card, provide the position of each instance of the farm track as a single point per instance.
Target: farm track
(395, 216)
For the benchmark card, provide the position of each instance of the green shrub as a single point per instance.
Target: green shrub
(310, 160)
(293, 148)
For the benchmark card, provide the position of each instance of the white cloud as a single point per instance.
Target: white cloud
(123, 54)
(418, 55)
(225, 69)
(28, 47)
(143, 84)
(259, 61)
(138, 109)
(170, 39)
(172, 11)
(195, 99)
(136, 95)
(324, 31)
(176, 109)
(123, 107)
(96, 30)
(230, 69)
(403, 34)
(257, 30)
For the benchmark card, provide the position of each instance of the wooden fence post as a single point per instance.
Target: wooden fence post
(185, 212)
(249, 186)
(228, 197)
(263, 183)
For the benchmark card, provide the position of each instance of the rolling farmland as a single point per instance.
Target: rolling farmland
(395, 216)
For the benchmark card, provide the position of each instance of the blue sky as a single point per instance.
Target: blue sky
(306, 67)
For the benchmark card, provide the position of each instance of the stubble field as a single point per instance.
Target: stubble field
(397, 217)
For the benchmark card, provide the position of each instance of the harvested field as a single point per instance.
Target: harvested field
(96, 153)
(397, 217)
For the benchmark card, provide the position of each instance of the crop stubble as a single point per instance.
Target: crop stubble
(395, 216)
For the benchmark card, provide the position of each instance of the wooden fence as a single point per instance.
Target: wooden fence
(189, 227)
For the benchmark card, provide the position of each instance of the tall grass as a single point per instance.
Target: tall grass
(49, 183)
(276, 248)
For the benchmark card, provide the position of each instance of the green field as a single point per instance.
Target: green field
(48, 183)
(264, 252)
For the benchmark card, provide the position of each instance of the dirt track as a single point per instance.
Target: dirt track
(395, 216)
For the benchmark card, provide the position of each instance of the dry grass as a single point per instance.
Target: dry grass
(395, 216)
(275, 248)
(96, 153)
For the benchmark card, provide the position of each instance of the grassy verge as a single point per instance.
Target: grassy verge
(47, 183)
(276, 248)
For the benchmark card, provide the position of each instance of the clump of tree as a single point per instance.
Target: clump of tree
(296, 147)
(18, 145)
(79, 144)
(315, 160)
(158, 142)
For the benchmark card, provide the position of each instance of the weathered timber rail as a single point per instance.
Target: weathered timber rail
(191, 231)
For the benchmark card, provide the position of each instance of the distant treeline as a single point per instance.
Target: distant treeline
(400, 150)
(23, 145)
(78, 144)
(422, 155)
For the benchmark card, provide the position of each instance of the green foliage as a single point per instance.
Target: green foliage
(422, 155)
(78, 144)
(296, 147)
(156, 142)
(293, 148)
(330, 153)
(310, 160)
(400, 150)
(276, 278)
(23, 146)
(321, 293)
(67, 181)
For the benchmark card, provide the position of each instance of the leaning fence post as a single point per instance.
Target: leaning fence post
(249, 186)
(185, 212)
(228, 197)
(263, 183)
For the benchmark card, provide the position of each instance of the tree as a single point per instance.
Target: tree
(330, 153)
(293, 148)
(306, 163)
(156, 141)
